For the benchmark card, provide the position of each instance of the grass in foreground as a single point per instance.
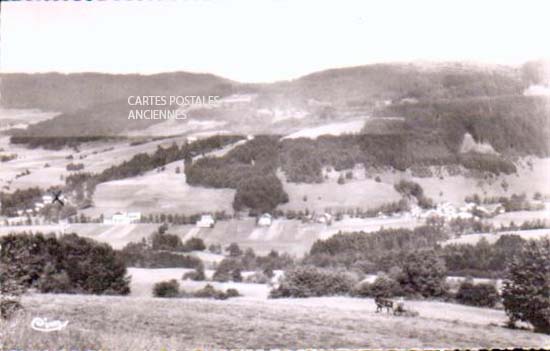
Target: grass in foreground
(123, 323)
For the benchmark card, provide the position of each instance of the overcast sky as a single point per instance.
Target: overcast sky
(265, 40)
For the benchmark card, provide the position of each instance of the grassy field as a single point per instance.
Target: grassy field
(143, 280)
(96, 157)
(455, 188)
(126, 323)
(364, 193)
(161, 192)
(165, 192)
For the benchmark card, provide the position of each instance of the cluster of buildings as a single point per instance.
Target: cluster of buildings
(449, 211)
(23, 215)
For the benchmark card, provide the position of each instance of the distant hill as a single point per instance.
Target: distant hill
(95, 105)
(364, 85)
(72, 92)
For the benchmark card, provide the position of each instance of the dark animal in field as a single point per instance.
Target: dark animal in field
(382, 303)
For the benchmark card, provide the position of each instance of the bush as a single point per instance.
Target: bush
(234, 250)
(196, 275)
(228, 269)
(140, 255)
(260, 193)
(194, 244)
(75, 167)
(168, 242)
(215, 248)
(409, 188)
(310, 281)
(383, 286)
(70, 264)
(423, 273)
(258, 277)
(209, 292)
(525, 293)
(11, 283)
(232, 293)
(53, 281)
(170, 288)
(482, 295)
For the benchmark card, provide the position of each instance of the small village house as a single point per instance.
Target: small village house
(265, 220)
(206, 221)
(123, 218)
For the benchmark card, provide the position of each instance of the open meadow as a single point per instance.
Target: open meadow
(127, 323)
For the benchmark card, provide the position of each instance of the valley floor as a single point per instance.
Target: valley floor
(128, 323)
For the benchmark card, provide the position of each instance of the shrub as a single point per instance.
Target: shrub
(228, 269)
(482, 295)
(258, 277)
(196, 275)
(383, 286)
(194, 244)
(425, 202)
(209, 292)
(75, 167)
(310, 281)
(525, 293)
(234, 250)
(232, 293)
(215, 248)
(260, 193)
(170, 288)
(409, 188)
(11, 283)
(70, 264)
(423, 273)
(168, 242)
(53, 281)
(140, 255)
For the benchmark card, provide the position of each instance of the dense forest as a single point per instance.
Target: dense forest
(386, 248)
(513, 125)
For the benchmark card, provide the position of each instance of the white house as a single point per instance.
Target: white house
(123, 218)
(265, 220)
(16, 220)
(325, 218)
(47, 199)
(206, 221)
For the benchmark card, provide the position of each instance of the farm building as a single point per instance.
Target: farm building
(47, 199)
(265, 220)
(123, 218)
(20, 220)
(325, 218)
(206, 221)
